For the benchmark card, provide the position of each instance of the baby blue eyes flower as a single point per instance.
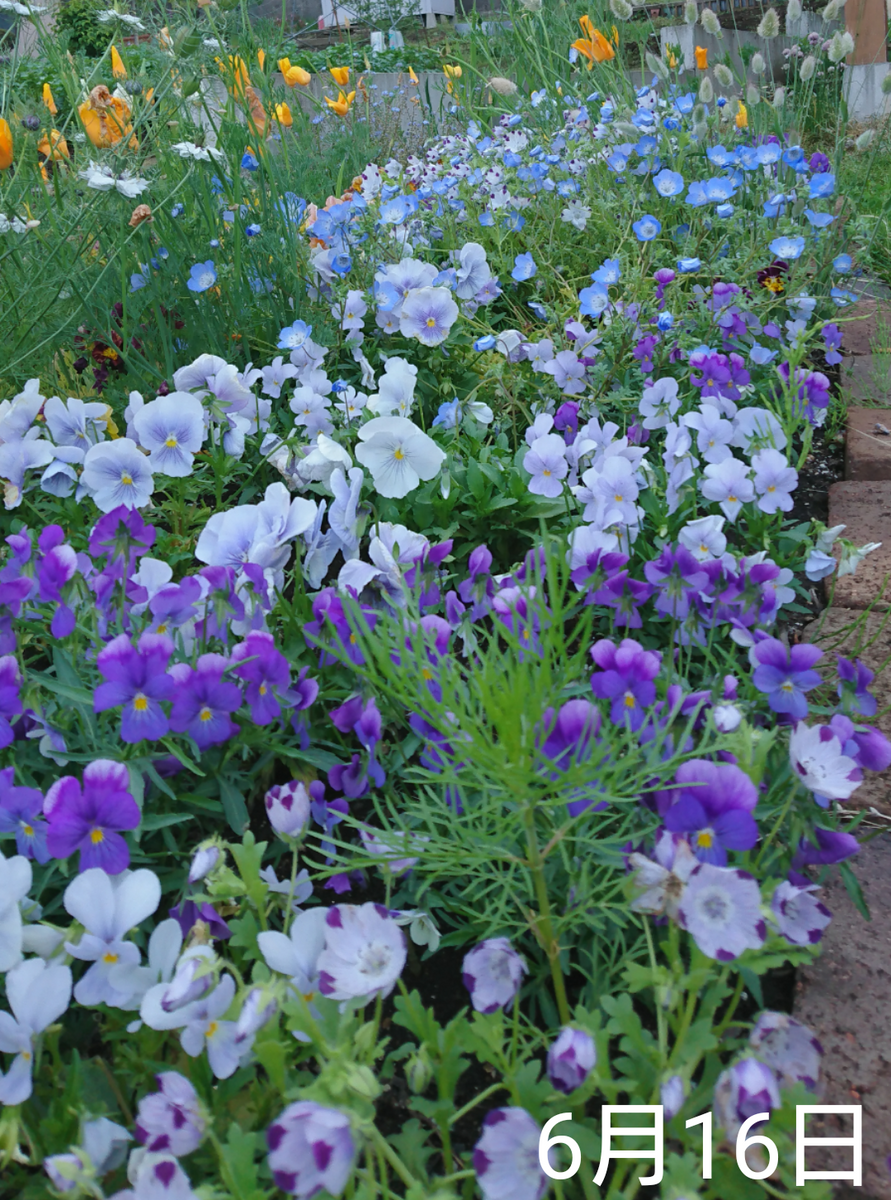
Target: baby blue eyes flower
(843, 263)
(724, 210)
(668, 183)
(177, 210)
(140, 279)
(484, 343)
(524, 268)
(609, 272)
(818, 220)
(249, 163)
(842, 298)
(593, 300)
(292, 337)
(821, 185)
(665, 321)
(647, 228)
(342, 264)
(252, 230)
(686, 266)
(202, 276)
(789, 248)
(486, 219)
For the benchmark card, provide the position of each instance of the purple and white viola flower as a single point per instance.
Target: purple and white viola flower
(171, 1120)
(492, 973)
(428, 314)
(506, 1156)
(311, 1148)
(721, 908)
(364, 952)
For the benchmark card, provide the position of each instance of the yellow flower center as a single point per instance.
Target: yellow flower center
(629, 700)
(398, 455)
(205, 714)
(732, 499)
(709, 383)
(127, 479)
(263, 689)
(140, 702)
(109, 958)
(431, 321)
(771, 488)
(546, 471)
(171, 442)
(704, 839)
(162, 628)
(28, 830)
(96, 836)
(211, 1029)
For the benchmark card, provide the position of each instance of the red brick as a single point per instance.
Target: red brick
(865, 508)
(867, 449)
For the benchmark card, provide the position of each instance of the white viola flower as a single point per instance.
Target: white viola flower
(704, 537)
(276, 375)
(19, 457)
(117, 473)
(18, 414)
(15, 883)
(351, 311)
(38, 995)
(713, 433)
(421, 928)
(324, 457)
(364, 952)
(391, 548)
(206, 1030)
(662, 880)
(108, 907)
(60, 477)
(345, 517)
(298, 893)
(172, 429)
(164, 949)
(75, 422)
(103, 179)
(396, 389)
(296, 954)
(472, 270)
(818, 761)
(352, 404)
(398, 454)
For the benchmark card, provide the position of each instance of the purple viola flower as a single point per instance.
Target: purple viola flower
(855, 677)
(784, 675)
(866, 745)
(713, 809)
(364, 952)
(628, 671)
(672, 1093)
(721, 908)
(428, 313)
(171, 1119)
(90, 817)
(266, 674)
(569, 735)
(136, 678)
(566, 420)
(10, 699)
(492, 972)
(120, 537)
(516, 609)
(287, 806)
(304, 694)
(332, 621)
(643, 352)
(203, 701)
(833, 846)
(478, 588)
(789, 1048)
(832, 339)
(810, 390)
(626, 596)
(57, 567)
(746, 1088)
(678, 578)
(311, 1149)
(188, 914)
(571, 1059)
(506, 1156)
(800, 918)
(727, 483)
(349, 778)
(21, 814)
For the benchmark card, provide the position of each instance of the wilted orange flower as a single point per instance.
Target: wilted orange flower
(117, 65)
(701, 53)
(340, 75)
(53, 146)
(141, 213)
(106, 119)
(258, 112)
(595, 47)
(48, 99)
(5, 145)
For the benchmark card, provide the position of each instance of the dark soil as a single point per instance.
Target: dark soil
(824, 466)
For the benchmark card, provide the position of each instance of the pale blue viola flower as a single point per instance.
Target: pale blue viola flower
(38, 996)
(172, 429)
(75, 422)
(428, 314)
(117, 473)
(202, 276)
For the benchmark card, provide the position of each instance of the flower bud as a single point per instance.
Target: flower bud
(724, 75)
(419, 1072)
(658, 67)
(187, 984)
(807, 68)
(503, 87)
(793, 12)
(759, 66)
(287, 806)
(840, 45)
(779, 97)
(706, 90)
(753, 95)
(206, 858)
(571, 1059)
(865, 139)
(710, 23)
(672, 1094)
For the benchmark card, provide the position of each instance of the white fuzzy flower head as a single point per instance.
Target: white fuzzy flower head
(621, 9)
(759, 66)
(831, 11)
(532, 6)
(769, 25)
(753, 95)
(657, 65)
(793, 12)
(779, 97)
(706, 90)
(807, 68)
(723, 75)
(865, 139)
(710, 23)
(690, 13)
(503, 87)
(840, 46)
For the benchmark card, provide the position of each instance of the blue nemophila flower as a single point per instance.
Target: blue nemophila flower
(139, 278)
(724, 211)
(789, 248)
(665, 321)
(843, 263)
(668, 183)
(821, 185)
(214, 243)
(202, 276)
(524, 268)
(818, 220)
(610, 271)
(593, 300)
(647, 228)
(341, 264)
(686, 266)
(252, 230)
(487, 342)
(842, 298)
(249, 162)
(177, 210)
(486, 219)
(292, 337)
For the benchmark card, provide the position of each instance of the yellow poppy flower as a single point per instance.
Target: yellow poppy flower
(342, 104)
(595, 47)
(5, 145)
(117, 65)
(283, 113)
(48, 99)
(412, 76)
(340, 75)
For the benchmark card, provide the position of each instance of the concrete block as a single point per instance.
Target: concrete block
(863, 91)
(865, 508)
(866, 377)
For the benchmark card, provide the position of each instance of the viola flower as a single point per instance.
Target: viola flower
(492, 973)
(819, 762)
(678, 579)
(571, 1059)
(287, 806)
(21, 814)
(728, 484)
(800, 918)
(659, 403)
(775, 481)
(547, 465)
(772, 278)
(784, 675)
(311, 1149)
(364, 952)
(788, 1047)
(721, 908)
(117, 473)
(428, 314)
(172, 429)
(713, 808)
(90, 817)
(188, 914)
(265, 674)
(506, 1157)
(626, 678)
(833, 846)
(10, 701)
(854, 678)
(38, 996)
(136, 678)
(398, 454)
(171, 1120)
(203, 700)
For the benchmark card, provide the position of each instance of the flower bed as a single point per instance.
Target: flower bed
(405, 595)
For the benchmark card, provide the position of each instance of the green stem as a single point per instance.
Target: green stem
(392, 1157)
(484, 1095)
(545, 925)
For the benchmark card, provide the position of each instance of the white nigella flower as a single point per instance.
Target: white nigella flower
(16, 225)
(201, 153)
(111, 14)
(102, 179)
(22, 10)
(398, 454)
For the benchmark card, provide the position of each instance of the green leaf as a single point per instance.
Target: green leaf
(244, 933)
(476, 481)
(753, 983)
(239, 1151)
(854, 890)
(273, 1058)
(162, 820)
(234, 806)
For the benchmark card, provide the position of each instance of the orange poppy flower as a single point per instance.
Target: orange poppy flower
(5, 145)
(595, 47)
(283, 113)
(701, 53)
(342, 104)
(293, 75)
(53, 146)
(340, 75)
(117, 65)
(261, 58)
(412, 76)
(48, 99)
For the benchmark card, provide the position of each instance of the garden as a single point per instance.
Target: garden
(419, 775)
